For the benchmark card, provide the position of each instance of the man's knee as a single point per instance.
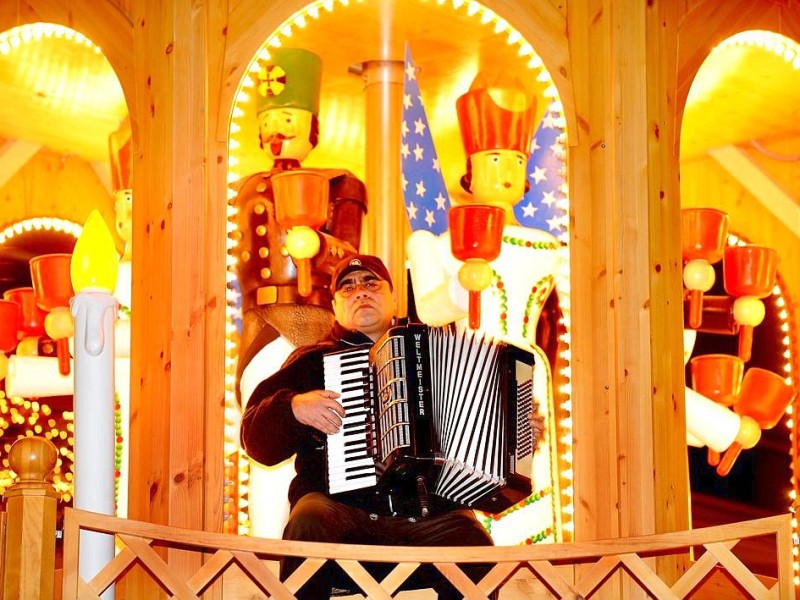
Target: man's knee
(315, 518)
(462, 528)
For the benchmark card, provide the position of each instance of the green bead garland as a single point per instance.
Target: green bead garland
(535, 497)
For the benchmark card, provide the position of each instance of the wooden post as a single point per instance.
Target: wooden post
(177, 357)
(383, 90)
(626, 259)
(30, 545)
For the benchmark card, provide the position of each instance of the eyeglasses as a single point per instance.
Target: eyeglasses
(350, 287)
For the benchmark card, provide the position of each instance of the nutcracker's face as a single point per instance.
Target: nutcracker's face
(498, 176)
(286, 132)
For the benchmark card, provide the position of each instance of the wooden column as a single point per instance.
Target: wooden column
(386, 219)
(30, 538)
(631, 472)
(178, 278)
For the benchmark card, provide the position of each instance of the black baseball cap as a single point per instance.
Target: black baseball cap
(360, 262)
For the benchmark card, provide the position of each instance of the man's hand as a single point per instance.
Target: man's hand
(318, 409)
(537, 425)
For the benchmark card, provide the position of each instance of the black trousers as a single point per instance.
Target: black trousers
(318, 518)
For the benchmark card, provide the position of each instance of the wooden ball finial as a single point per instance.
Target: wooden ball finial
(33, 458)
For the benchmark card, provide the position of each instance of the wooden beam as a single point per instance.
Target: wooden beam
(759, 184)
(14, 155)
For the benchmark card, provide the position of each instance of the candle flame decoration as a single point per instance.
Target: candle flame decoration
(94, 260)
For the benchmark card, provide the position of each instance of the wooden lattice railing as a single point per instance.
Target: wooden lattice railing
(255, 558)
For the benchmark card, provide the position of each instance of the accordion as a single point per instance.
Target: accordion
(446, 404)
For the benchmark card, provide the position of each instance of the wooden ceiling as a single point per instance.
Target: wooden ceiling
(742, 93)
(62, 94)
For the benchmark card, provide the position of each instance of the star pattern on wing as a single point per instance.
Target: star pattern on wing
(544, 205)
(539, 174)
(427, 201)
(528, 210)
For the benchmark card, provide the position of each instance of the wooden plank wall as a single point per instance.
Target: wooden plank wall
(52, 185)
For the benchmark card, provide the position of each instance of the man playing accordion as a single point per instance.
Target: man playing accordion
(291, 412)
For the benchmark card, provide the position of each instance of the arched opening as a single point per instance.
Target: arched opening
(739, 152)
(64, 109)
(457, 42)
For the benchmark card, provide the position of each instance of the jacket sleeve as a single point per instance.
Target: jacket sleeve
(269, 431)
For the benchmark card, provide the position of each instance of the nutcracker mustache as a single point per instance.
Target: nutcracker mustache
(275, 142)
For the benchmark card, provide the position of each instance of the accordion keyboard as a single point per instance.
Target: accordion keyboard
(349, 452)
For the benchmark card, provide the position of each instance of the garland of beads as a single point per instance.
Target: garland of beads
(501, 291)
(529, 244)
(535, 497)
(539, 537)
(117, 448)
(538, 293)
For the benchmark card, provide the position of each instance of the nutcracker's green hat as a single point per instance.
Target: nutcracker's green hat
(290, 79)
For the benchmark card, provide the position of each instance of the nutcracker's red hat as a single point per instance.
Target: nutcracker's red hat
(497, 116)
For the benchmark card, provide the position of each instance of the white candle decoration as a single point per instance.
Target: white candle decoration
(94, 308)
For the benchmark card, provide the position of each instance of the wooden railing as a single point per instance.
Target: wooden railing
(601, 559)
(574, 570)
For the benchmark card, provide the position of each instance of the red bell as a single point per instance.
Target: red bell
(9, 325)
(718, 377)
(749, 273)
(32, 317)
(476, 236)
(52, 287)
(704, 232)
